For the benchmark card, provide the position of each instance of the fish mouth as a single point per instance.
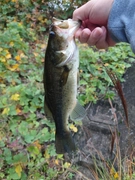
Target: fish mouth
(60, 23)
(66, 24)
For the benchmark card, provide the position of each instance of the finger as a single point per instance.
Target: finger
(102, 42)
(84, 36)
(95, 36)
(105, 41)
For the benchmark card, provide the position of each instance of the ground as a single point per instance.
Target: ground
(105, 124)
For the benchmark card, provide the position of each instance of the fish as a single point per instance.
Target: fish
(60, 82)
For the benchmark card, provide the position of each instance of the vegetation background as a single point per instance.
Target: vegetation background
(26, 137)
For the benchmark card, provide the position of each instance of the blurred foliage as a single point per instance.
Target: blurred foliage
(26, 137)
(36, 14)
(94, 81)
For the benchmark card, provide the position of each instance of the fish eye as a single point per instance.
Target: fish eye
(52, 33)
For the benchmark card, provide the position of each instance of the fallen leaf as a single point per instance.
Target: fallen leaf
(5, 110)
(18, 170)
(56, 161)
(8, 56)
(73, 128)
(36, 143)
(18, 58)
(14, 67)
(15, 97)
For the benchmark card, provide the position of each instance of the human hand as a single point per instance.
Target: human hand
(94, 16)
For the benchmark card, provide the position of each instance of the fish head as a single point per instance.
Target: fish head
(65, 28)
(62, 33)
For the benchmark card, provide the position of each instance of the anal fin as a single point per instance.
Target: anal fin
(78, 113)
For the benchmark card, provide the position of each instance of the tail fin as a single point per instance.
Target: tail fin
(64, 143)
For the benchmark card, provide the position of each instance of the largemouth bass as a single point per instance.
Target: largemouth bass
(60, 81)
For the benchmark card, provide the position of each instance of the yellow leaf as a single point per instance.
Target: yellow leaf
(35, 54)
(99, 68)
(8, 56)
(66, 165)
(56, 161)
(40, 18)
(73, 128)
(18, 58)
(14, 67)
(2, 59)
(112, 171)
(116, 175)
(1, 49)
(36, 143)
(106, 64)
(47, 155)
(11, 43)
(102, 50)
(43, 46)
(13, 82)
(5, 110)
(15, 97)
(22, 55)
(6, 51)
(18, 110)
(18, 170)
(14, 0)
(20, 24)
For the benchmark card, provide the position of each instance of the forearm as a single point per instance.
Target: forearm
(121, 22)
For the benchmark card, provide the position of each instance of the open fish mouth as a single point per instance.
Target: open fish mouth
(66, 24)
(60, 23)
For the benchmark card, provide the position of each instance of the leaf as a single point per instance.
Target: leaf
(15, 97)
(11, 43)
(8, 56)
(56, 161)
(3, 59)
(18, 110)
(36, 143)
(14, 67)
(18, 170)
(14, 1)
(18, 58)
(73, 128)
(46, 155)
(66, 165)
(33, 150)
(5, 111)
(36, 54)
(116, 175)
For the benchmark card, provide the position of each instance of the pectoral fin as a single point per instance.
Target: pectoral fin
(69, 57)
(68, 54)
(78, 113)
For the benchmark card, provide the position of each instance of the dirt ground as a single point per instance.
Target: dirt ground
(104, 120)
